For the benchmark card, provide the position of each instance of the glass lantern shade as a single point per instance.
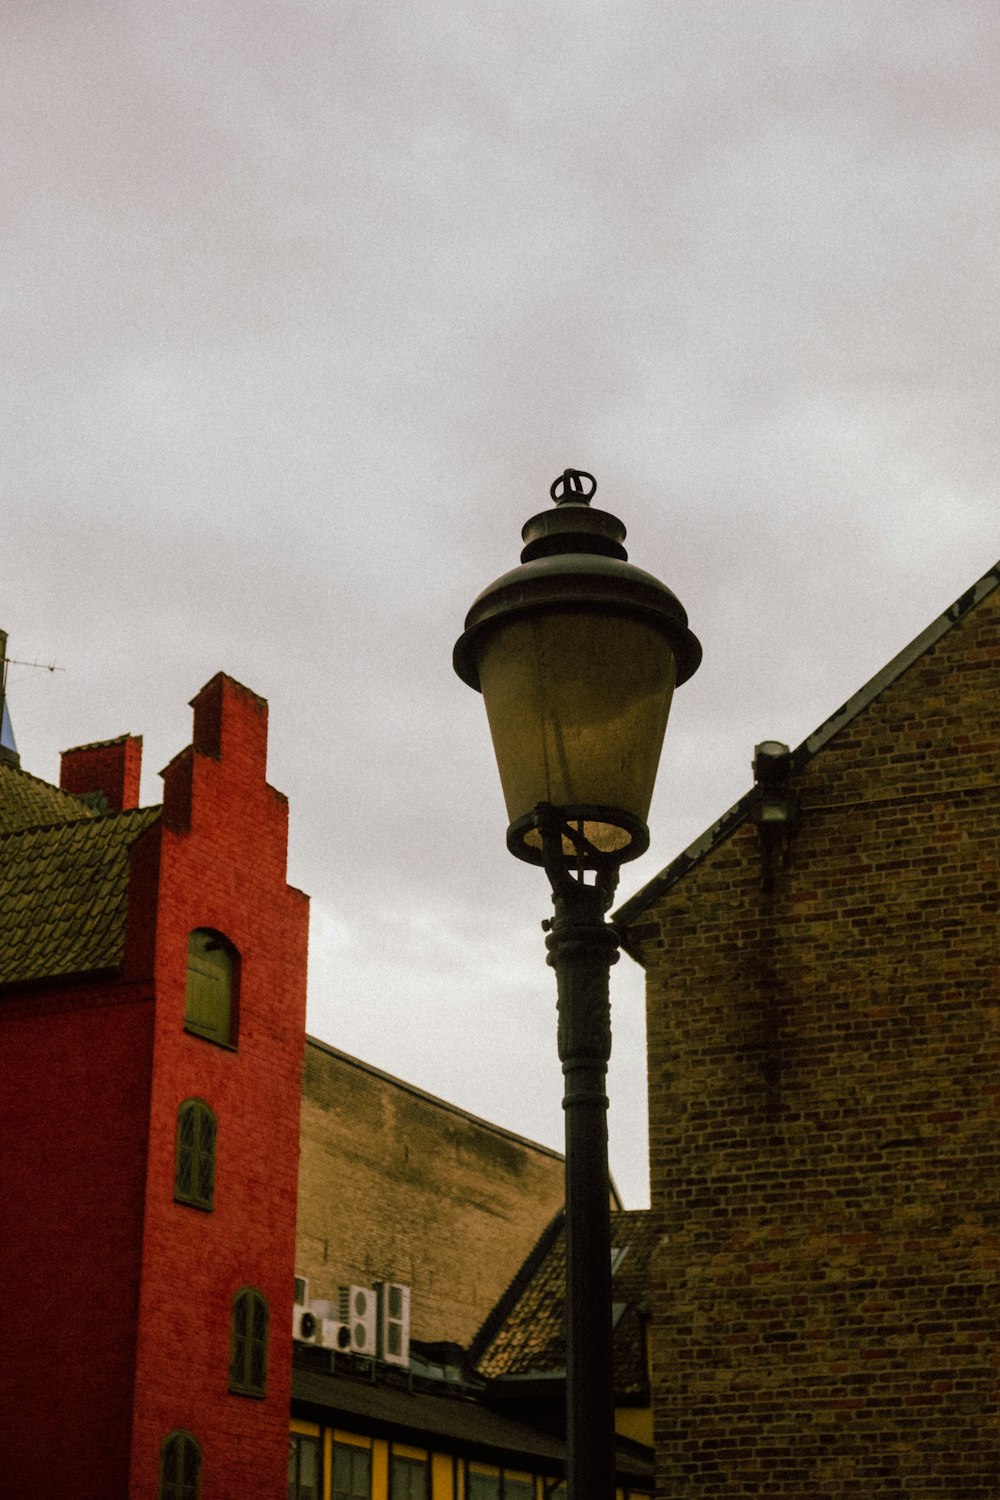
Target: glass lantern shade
(576, 653)
(577, 702)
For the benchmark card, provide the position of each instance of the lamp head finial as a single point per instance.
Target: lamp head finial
(571, 488)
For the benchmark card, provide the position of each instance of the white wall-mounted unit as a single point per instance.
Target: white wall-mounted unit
(393, 1322)
(305, 1324)
(301, 1290)
(333, 1335)
(358, 1310)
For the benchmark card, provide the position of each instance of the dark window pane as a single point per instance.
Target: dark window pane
(180, 1466)
(194, 1177)
(248, 1366)
(185, 1151)
(206, 1155)
(409, 1478)
(352, 1472)
(304, 1468)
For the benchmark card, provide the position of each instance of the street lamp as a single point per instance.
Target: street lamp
(577, 654)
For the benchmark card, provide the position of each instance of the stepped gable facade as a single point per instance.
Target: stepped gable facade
(152, 1006)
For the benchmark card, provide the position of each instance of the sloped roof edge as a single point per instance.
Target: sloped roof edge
(508, 1300)
(721, 829)
(419, 1093)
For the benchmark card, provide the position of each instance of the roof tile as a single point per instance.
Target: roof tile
(28, 802)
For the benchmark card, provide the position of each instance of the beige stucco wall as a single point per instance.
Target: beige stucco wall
(396, 1185)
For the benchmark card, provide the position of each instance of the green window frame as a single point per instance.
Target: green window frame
(180, 1467)
(305, 1467)
(211, 987)
(352, 1472)
(248, 1353)
(194, 1161)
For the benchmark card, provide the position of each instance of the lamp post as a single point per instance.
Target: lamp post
(577, 654)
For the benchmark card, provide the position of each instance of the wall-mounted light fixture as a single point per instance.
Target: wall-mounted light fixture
(774, 804)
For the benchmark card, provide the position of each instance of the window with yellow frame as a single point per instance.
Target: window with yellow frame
(409, 1474)
(485, 1482)
(305, 1466)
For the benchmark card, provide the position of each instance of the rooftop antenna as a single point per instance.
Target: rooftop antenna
(8, 747)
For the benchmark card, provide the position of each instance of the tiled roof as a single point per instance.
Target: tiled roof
(525, 1332)
(63, 892)
(27, 802)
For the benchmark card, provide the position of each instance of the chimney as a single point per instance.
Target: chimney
(106, 773)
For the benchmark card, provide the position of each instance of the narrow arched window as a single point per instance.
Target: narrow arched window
(180, 1467)
(248, 1362)
(210, 994)
(194, 1164)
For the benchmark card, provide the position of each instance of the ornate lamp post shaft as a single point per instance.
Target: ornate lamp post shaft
(582, 948)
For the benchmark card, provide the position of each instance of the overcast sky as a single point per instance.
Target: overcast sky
(307, 303)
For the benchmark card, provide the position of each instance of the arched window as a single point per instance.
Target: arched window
(210, 996)
(248, 1362)
(180, 1467)
(194, 1164)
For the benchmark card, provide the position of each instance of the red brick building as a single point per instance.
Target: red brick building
(823, 972)
(152, 1008)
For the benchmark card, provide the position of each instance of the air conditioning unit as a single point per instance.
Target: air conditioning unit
(333, 1335)
(305, 1325)
(330, 1332)
(393, 1322)
(359, 1312)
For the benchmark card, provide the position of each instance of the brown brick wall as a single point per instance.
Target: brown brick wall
(825, 1117)
(395, 1185)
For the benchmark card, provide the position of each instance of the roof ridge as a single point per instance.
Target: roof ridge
(720, 830)
(89, 822)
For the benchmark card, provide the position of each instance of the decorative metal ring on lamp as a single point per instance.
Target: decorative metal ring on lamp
(525, 842)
